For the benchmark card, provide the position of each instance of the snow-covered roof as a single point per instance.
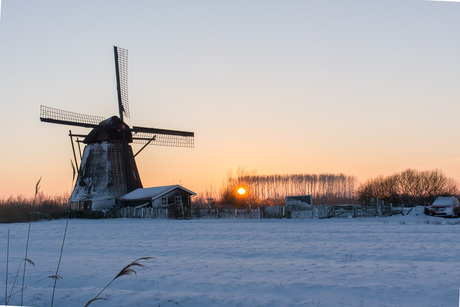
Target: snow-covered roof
(152, 193)
(445, 201)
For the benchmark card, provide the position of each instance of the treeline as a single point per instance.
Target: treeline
(272, 189)
(410, 187)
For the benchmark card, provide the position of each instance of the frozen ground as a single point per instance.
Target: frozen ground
(397, 261)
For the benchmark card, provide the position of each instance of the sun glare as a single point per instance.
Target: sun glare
(241, 191)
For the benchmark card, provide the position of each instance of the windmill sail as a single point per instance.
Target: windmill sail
(163, 137)
(121, 69)
(57, 116)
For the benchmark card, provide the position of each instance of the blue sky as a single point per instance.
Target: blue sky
(365, 88)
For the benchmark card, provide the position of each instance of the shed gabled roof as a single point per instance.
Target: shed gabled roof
(303, 198)
(153, 193)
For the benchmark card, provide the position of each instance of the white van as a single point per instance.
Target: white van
(444, 206)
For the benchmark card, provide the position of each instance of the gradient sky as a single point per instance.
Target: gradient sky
(359, 87)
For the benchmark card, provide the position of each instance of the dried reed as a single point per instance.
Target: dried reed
(7, 262)
(30, 285)
(56, 276)
(26, 260)
(16, 277)
(127, 270)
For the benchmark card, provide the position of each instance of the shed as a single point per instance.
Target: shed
(157, 197)
(299, 203)
(87, 203)
(299, 206)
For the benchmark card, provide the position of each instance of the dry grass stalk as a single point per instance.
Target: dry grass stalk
(56, 276)
(127, 270)
(37, 188)
(16, 277)
(35, 282)
(25, 258)
(7, 261)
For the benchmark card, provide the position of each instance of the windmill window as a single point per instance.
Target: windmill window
(164, 200)
(177, 200)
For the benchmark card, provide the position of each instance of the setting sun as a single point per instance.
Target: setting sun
(241, 191)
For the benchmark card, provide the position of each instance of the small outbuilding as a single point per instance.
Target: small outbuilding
(301, 202)
(157, 197)
(299, 206)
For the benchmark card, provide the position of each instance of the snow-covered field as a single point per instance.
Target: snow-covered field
(395, 261)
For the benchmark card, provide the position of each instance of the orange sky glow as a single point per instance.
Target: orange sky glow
(274, 87)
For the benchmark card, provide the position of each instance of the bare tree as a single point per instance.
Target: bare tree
(409, 187)
(333, 188)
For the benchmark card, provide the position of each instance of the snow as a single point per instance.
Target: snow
(445, 201)
(154, 192)
(407, 260)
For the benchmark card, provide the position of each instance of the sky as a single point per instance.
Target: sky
(359, 87)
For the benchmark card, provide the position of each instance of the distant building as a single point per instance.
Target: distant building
(299, 206)
(157, 197)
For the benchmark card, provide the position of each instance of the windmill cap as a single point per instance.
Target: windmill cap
(108, 130)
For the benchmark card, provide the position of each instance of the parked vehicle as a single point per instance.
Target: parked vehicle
(445, 206)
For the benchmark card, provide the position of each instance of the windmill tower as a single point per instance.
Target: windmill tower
(108, 168)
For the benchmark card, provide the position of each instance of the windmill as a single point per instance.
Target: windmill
(108, 168)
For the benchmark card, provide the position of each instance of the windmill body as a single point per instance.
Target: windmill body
(103, 176)
(108, 168)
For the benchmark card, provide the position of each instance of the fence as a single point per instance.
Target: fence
(345, 211)
(320, 212)
(150, 213)
(144, 213)
(219, 213)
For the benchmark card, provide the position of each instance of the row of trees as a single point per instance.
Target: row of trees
(410, 187)
(272, 189)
